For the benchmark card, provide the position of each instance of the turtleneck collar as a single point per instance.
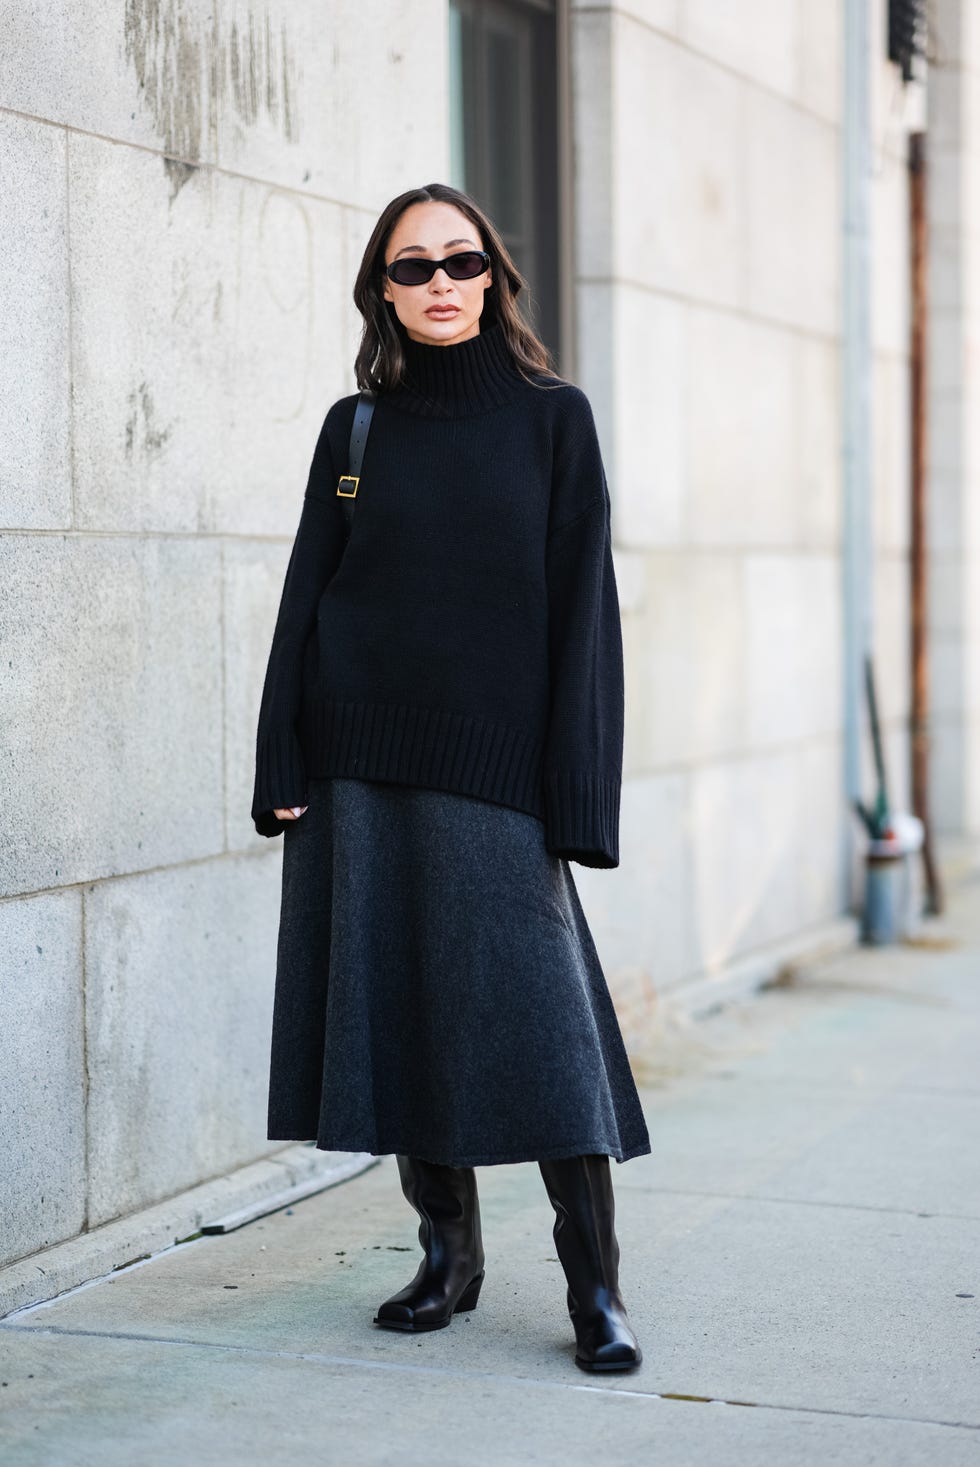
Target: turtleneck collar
(460, 380)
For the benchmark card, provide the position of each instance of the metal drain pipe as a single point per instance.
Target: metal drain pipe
(919, 549)
(857, 549)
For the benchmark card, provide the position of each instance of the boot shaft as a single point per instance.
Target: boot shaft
(447, 1201)
(581, 1193)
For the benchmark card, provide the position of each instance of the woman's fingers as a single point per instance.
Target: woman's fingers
(292, 814)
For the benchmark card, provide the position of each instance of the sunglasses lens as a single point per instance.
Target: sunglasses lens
(410, 272)
(464, 266)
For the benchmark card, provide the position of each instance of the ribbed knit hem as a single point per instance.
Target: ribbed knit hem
(424, 747)
(582, 817)
(280, 780)
(409, 1146)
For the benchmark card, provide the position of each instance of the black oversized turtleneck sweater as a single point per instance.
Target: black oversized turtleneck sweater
(468, 637)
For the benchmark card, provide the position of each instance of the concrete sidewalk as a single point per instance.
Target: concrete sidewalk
(800, 1256)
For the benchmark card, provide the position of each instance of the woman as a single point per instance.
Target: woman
(440, 734)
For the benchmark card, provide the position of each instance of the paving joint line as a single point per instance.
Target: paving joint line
(310, 1357)
(802, 1202)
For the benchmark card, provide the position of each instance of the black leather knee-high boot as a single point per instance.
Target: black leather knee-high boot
(580, 1189)
(450, 1275)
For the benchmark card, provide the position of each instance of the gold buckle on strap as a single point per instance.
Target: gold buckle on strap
(349, 479)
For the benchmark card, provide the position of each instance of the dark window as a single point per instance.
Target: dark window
(504, 137)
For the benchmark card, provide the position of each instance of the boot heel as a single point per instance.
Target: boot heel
(469, 1296)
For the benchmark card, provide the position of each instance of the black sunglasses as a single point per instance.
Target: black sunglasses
(417, 271)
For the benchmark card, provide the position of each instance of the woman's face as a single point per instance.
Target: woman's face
(442, 311)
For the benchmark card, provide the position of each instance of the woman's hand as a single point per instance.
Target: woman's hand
(293, 814)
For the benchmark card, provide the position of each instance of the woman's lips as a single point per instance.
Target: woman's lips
(443, 311)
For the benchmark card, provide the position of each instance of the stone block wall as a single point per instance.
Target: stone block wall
(709, 297)
(186, 193)
(954, 405)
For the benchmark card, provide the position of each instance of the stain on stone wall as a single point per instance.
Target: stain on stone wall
(172, 52)
(261, 74)
(186, 74)
(142, 430)
(178, 173)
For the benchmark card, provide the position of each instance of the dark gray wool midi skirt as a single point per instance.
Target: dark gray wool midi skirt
(438, 991)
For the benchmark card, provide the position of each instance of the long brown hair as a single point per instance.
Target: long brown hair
(380, 361)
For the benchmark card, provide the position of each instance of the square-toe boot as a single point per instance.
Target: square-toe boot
(450, 1275)
(580, 1189)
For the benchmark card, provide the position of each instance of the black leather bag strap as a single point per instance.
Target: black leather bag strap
(349, 482)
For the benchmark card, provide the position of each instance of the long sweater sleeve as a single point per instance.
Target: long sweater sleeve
(584, 747)
(280, 775)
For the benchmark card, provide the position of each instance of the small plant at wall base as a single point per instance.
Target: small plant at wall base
(877, 818)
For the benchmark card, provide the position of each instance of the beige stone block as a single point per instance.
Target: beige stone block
(596, 352)
(970, 114)
(42, 1086)
(971, 481)
(35, 428)
(358, 225)
(335, 100)
(685, 660)
(746, 822)
(891, 468)
(825, 830)
(253, 574)
(949, 775)
(948, 674)
(650, 415)
(817, 460)
(971, 817)
(275, 91)
(946, 346)
(947, 285)
(741, 445)
(945, 191)
(792, 647)
(180, 965)
(944, 502)
(596, 145)
(789, 168)
(677, 191)
(890, 284)
(945, 103)
(946, 589)
(946, 459)
(891, 635)
(660, 15)
(110, 682)
(631, 579)
(153, 75)
(205, 360)
(762, 41)
(972, 618)
(820, 59)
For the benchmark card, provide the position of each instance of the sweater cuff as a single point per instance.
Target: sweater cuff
(582, 817)
(280, 780)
